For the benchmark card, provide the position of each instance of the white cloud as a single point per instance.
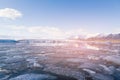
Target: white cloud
(40, 32)
(10, 13)
(35, 32)
(116, 30)
(46, 32)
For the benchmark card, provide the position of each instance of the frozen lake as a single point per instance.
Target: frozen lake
(60, 60)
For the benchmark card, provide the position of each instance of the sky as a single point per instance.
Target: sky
(58, 19)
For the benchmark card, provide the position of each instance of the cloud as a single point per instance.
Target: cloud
(46, 32)
(116, 31)
(33, 32)
(40, 32)
(10, 13)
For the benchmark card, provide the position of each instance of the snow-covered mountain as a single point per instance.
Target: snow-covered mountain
(109, 36)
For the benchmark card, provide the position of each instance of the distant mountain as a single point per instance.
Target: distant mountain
(106, 37)
(113, 36)
(7, 41)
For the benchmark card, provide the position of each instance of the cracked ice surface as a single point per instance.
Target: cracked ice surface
(65, 61)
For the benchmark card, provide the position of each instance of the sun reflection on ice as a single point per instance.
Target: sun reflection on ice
(76, 45)
(92, 47)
